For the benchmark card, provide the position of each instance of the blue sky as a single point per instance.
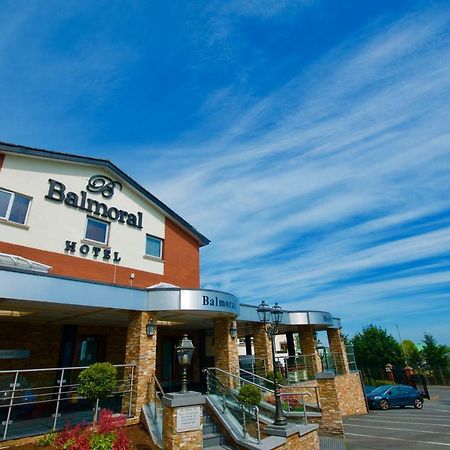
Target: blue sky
(309, 140)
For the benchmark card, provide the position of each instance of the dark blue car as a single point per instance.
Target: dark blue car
(389, 396)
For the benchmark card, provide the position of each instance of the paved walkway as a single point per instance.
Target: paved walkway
(407, 428)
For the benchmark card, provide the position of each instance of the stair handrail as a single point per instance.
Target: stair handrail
(156, 397)
(242, 405)
(265, 380)
(241, 379)
(266, 389)
(159, 385)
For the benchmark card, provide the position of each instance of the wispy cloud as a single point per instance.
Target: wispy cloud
(322, 180)
(315, 193)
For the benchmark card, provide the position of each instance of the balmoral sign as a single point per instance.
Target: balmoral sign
(204, 300)
(199, 300)
(97, 184)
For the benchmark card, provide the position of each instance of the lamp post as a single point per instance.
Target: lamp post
(185, 350)
(271, 318)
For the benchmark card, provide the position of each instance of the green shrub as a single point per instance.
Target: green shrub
(46, 440)
(249, 394)
(97, 381)
(102, 441)
(271, 377)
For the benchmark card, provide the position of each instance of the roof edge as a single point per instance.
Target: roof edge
(62, 156)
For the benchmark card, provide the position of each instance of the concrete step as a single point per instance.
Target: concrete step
(209, 428)
(213, 440)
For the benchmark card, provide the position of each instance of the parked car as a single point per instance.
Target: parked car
(385, 397)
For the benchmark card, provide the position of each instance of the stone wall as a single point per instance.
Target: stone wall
(331, 423)
(173, 440)
(350, 394)
(309, 441)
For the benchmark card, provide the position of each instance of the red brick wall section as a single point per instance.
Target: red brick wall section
(2, 158)
(181, 255)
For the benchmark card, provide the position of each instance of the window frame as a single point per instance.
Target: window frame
(108, 228)
(13, 194)
(161, 248)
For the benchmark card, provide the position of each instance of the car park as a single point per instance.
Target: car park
(389, 396)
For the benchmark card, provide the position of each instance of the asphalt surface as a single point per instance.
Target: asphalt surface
(406, 428)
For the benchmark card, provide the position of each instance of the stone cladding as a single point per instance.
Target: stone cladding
(226, 348)
(309, 441)
(262, 345)
(331, 423)
(308, 347)
(140, 350)
(337, 348)
(350, 394)
(172, 440)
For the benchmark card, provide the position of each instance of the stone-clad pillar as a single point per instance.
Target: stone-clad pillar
(183, 421)
(308, 348)
(140, 350)
(331, 423)
(337, 348)
(262, 345)
(226, 348)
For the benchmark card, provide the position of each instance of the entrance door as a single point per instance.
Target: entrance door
(90, 349)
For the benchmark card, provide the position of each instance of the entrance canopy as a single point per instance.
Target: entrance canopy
(27, 286)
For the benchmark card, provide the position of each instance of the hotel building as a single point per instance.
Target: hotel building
(93, 268)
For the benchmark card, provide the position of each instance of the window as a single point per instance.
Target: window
(153, 246)
(14, 207)
(96, 230)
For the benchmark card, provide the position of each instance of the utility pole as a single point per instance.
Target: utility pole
(401, 343)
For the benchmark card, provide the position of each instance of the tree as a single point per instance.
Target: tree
(96, 382)
(409, 347)
(415, 358)
(435, 355)
(374, 347)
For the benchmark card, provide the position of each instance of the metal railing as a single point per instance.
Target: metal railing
(254, 364)
(290, 399)
(296, 369)
(34, 401)
(266, 387)
(333, 362)
(351, 358)
(156, 409)
(245, 415)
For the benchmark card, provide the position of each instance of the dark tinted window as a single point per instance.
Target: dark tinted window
(96, 230)
(19, 209)
(14, 207)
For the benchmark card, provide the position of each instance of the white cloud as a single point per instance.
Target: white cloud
(307, 188)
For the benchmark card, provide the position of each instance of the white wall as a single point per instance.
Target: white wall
(50, 224)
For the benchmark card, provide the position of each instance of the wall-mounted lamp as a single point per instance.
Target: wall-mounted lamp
(233, 331)
(150, 328)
